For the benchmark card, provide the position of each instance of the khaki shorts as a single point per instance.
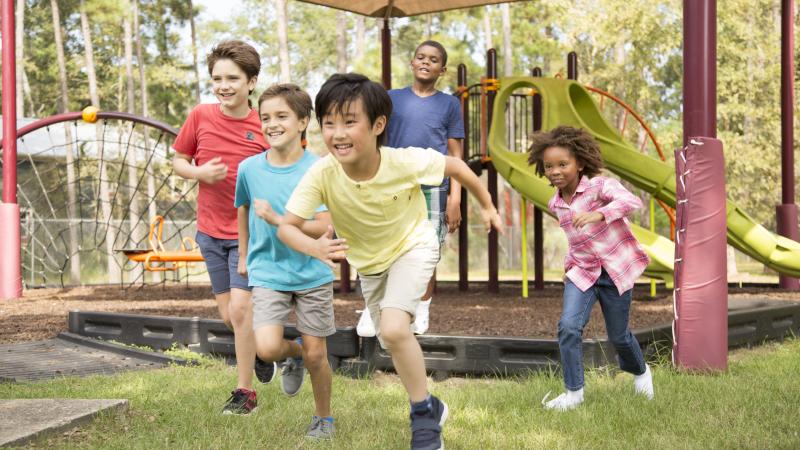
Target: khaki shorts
(402, 285)
(313, 308)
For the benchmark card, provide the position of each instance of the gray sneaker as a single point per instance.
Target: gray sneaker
(320, 429)
(292, 376)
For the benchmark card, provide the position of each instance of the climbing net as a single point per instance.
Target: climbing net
(88, 191)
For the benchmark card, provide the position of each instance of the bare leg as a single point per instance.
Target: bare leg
(406, 352)
(241, 314)
(315, 358)
(271, 346)
(223, 304)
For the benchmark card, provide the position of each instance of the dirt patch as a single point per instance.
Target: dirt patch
(42, 313)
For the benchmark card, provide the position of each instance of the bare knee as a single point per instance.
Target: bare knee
(394, 333)
(314, 356)
(239, 311)
(269, 351)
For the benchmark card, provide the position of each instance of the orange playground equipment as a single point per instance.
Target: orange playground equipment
(157, 258)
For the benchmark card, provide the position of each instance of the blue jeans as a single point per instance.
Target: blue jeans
(575, 316)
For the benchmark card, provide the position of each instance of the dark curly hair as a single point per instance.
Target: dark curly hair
(578, 141)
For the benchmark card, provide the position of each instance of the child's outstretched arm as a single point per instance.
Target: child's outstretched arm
(212, 171)
(314, 228)
(458, 170)
(324, 248)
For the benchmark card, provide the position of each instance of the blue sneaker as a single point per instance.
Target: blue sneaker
(426, 426)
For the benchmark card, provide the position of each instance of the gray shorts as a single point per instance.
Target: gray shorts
(313, 308)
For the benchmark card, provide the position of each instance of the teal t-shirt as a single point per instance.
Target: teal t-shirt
(270, 263)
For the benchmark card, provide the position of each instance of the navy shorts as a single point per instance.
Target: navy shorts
(222, 258)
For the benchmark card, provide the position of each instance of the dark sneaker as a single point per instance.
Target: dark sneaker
(241, 402)
(265, 371)
(320, 429)
(292, 375)
(426, 427)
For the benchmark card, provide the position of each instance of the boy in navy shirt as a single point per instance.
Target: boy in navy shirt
(424, 117)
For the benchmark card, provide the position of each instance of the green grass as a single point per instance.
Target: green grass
(752, 405)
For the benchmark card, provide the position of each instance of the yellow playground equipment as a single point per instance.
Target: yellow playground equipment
(157, 258)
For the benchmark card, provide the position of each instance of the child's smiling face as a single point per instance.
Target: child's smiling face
(348, 134)
(231, 85)
(561, 168)
(280, 125)
(427, 65)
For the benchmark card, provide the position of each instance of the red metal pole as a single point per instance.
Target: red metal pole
(386, 54)
(786, 212)
(494, 268)
(10, 269)
(463, 228)
(699, 69)
(538, 218)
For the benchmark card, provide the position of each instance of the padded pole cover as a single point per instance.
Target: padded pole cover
(700, 328)
(10, 269)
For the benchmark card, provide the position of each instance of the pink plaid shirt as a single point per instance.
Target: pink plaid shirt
(608, 244)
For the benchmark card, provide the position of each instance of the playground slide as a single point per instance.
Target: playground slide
(565, 102)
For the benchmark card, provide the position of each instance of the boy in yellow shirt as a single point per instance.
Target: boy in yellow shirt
(373, 195)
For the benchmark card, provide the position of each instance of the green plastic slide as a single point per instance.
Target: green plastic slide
(565, 102)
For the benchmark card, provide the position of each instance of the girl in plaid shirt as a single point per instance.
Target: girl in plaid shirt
(604, 258)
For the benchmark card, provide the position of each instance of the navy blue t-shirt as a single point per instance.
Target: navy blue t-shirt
(425, 122)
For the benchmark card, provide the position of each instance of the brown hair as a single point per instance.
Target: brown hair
(297, 99)
(241, 53)
(578, 141)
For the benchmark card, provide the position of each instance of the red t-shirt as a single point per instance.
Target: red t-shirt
(206, 134)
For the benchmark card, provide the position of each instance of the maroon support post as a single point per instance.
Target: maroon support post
(538, 219)
(463, 228)
(702, 347)
(491, 73)
(10, 268)
(786, 212)
(386, 54)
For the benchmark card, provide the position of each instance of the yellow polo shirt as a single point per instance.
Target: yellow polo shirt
(381, 218)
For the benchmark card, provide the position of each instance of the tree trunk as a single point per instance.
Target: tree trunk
(508, 60)
(74, 242)
(487, 28)
(151, 183)
(114, 275)
(341, 42)
(135, 226)
(194, 52)
(360, 36)
(283, 40)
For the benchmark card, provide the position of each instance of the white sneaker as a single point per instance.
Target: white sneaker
(365, 327)
(566, 401)
(643, 384)
(422, 316)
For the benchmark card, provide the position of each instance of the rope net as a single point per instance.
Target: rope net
(89, 191)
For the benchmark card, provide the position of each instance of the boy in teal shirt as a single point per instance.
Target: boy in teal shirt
(281, 277)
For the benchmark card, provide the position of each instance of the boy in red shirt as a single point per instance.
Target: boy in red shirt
(218, 137)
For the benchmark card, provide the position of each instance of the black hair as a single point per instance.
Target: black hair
(578, 141)
(437, 46)
(342, 89)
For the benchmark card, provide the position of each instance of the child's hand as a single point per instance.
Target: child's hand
(212, 171)
(264, 210)
(579, 220)
(453, 214)
(329, 250)
(241, 266)
(491, 219)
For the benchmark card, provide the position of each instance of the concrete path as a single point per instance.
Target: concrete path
(24, 420)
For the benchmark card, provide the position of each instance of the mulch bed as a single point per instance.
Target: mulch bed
(42, 313)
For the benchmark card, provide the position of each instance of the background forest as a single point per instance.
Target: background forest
(147, 57)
